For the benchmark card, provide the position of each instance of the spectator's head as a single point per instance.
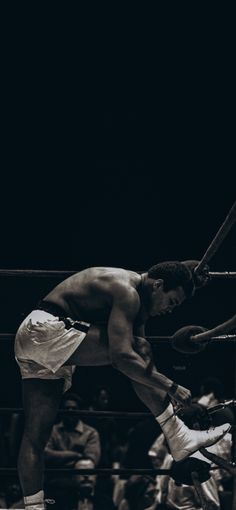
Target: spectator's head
(157, 455)
(140, 492)
(212, 385)
(212, 393)
(71, 402)
(101, 399)
(86, 483)
(13, 495)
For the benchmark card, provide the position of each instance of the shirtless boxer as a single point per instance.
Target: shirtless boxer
(110, 307)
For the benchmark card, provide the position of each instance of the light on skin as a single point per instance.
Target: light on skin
(164, 302)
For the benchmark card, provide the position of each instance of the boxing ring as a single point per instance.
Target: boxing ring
(196, 475)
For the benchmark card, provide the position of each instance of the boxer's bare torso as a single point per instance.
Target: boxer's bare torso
(90, 296)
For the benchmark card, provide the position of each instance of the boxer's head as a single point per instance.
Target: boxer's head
(168, 284)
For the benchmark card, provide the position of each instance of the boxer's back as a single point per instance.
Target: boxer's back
(88, 294)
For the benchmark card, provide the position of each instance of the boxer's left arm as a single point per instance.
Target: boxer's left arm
(143, 348)
(121, 322)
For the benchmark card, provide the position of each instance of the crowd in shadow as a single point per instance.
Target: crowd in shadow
(107, 442)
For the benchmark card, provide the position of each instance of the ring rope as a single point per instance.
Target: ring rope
(114, 471)
(153, 339)
(224, 274)
(36, 272)
(85, 413)
(94, 471)
(218, 239)
(46, 273)
(118, 414)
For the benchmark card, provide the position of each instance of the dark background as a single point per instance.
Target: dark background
(125, 187)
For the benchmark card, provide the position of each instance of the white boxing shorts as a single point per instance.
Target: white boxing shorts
(43, 345)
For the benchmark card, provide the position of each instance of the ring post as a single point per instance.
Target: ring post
(218, 239)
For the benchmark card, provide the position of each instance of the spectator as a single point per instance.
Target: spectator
(14, 497)
(161, 459)
(140, 438)
(90, 497)
(211, 394)
(71, 440)
(2, 500)
(107, 429)
(139, 494)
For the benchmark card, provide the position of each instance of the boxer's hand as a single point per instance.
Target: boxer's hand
(181, 394)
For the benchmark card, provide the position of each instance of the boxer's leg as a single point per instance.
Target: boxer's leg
(41, 400)
(182, 441)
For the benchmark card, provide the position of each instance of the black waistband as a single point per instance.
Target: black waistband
(58, 311)
(52, 308)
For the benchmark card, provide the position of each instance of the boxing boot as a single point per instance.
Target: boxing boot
(183, 441)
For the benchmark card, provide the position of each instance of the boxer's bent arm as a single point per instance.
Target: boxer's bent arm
(120, 331)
